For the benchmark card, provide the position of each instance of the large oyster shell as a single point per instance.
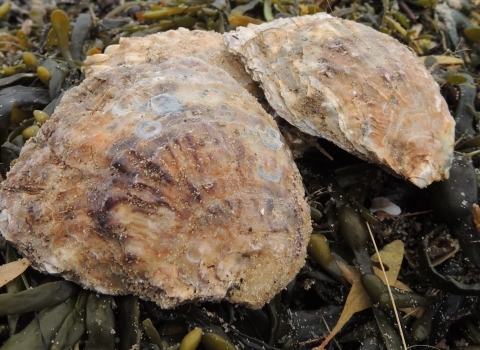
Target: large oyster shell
(156, 48)
(168, 181)
(354, 86)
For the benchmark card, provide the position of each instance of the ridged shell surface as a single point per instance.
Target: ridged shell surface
(354, 86)
(156, 48)
(167, 181)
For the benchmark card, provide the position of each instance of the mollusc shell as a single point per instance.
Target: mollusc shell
(166, 181)
(156, 48)
(354, 86)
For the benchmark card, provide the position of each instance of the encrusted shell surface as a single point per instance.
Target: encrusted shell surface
(354, 86)
(167, 181)
(156, 48)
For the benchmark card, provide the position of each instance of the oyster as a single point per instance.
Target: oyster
(156, 48)
(167, 181)
(354, 86)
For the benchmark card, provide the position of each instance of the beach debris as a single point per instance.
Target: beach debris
(385, 205)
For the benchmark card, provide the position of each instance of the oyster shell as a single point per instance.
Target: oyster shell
(354, 86)
(167, 181)
(156, 48)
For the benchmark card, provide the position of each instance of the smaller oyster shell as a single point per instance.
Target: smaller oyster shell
(354, 86)
(156, 48)
(167, 181)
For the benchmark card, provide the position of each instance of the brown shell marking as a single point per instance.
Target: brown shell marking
(354, 86)
(167, 181)
(156, 48)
